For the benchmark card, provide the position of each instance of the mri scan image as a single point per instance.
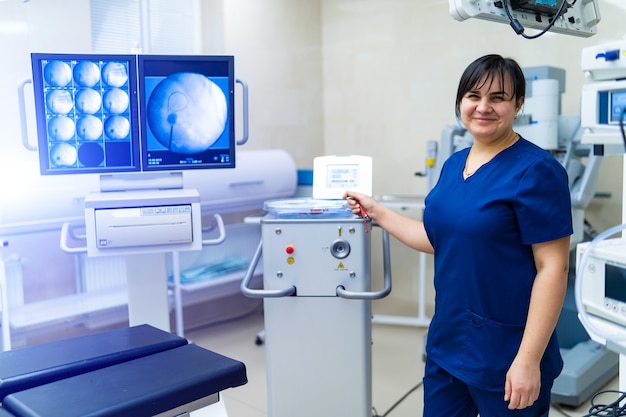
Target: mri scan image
(186, 112)
(86, 74)
(115, 101)
(114, 74)
(88, 101)
(61, 128)
(89, 127)
(57, 73)
(59, 101)
(63, 155)
(117, 127)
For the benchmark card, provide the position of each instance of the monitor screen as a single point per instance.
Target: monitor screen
(86, 110)
(186, 105)
(618, 106)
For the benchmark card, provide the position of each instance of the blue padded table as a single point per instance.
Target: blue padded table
(168, 382)
(37, 365)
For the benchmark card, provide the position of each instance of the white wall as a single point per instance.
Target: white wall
(390, 75)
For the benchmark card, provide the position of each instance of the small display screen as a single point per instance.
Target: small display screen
(618, 106)
(186, 103)
(86, 113)
(344, 176)
(615, 282)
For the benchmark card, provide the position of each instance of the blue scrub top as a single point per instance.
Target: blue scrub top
(482, 229)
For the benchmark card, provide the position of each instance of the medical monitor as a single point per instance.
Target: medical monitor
(186, 104)
(86, 111)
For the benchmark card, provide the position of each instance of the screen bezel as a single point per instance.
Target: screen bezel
(207, 65)
(39, 86)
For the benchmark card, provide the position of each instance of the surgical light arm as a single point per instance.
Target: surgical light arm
(578, 18)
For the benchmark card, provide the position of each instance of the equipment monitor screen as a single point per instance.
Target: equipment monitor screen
(186, 107)
(615, 282)
(86, 110)
(125, 113)
(618, 105)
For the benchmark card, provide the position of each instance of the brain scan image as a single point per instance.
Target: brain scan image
(88, 101)
(89, 127)
(86, 74)
(187, 113)
(57, 73)
(61, 128)
(115, 101)
(90, 154)
(116, 127)
(114, 74)
(63, 155)
(59, 101)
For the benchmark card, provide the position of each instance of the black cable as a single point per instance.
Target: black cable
(519, 29)
(613, 409)
(397, 403)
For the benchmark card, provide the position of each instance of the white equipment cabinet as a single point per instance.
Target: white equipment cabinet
(317, 299)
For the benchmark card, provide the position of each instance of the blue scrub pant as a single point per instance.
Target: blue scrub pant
(445, 395)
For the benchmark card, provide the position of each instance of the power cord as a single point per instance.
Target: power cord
(519, 29)
(397, 403)
(612, 409)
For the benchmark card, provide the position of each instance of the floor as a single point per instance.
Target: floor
(396, 362)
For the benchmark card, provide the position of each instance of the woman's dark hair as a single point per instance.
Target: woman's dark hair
(487, 69)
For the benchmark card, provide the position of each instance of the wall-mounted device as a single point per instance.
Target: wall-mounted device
(126, 113)
(604, 280)
(603, 102)
(578, 18)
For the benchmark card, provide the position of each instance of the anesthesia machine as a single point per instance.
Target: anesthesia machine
(317, 296)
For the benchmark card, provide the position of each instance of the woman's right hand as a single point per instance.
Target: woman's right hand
(362, 205)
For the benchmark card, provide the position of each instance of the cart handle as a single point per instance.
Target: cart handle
(373, 295)
(252, 293)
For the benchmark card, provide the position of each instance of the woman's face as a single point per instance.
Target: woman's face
(488, 110)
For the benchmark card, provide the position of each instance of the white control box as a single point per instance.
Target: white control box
(130, 222)
(604, 280)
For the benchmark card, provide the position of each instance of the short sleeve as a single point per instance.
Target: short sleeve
(543, 202)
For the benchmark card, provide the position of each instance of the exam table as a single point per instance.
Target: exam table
(135, 371)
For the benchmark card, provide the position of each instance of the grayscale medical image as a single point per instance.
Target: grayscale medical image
(63, 155)
(57, 73)
(59, 101)
(89, 127)
(187, 113)
(115, 101)
(114, 74)
(86, 74)
(116, 127)
(61, 128)
(88, 101)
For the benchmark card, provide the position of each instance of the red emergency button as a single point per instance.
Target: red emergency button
(289, 249)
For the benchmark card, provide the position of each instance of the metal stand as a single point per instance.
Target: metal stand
(422, 320)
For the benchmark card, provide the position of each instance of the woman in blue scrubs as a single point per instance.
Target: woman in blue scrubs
(498, 222)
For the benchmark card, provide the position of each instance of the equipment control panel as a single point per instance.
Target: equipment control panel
(604, 280)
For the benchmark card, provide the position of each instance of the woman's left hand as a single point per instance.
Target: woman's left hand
(523, 381)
